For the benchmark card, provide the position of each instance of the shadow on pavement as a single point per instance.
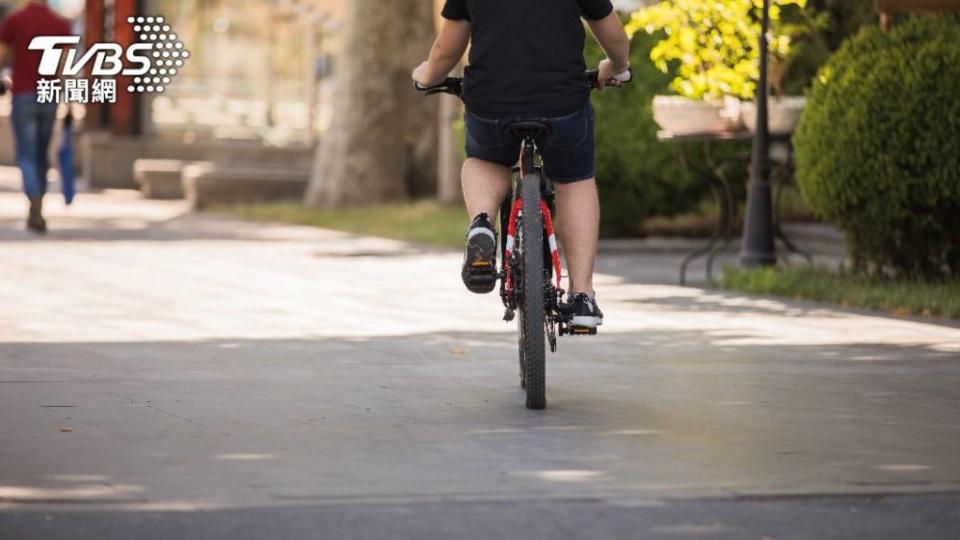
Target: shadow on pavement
(930, 517)
(643, 415)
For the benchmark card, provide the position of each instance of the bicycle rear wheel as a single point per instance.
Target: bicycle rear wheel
(532, 310)
(523, 361)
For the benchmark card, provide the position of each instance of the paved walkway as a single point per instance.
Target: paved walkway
(157, 361)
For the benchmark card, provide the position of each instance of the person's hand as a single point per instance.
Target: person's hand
(421, 75)
(608, 74)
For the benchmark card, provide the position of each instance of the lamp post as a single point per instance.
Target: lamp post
(759, 248)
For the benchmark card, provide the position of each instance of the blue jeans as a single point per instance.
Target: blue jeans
(33, 128)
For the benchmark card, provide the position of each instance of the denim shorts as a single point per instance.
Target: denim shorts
(568, 152)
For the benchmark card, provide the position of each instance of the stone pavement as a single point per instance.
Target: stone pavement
(227, 375)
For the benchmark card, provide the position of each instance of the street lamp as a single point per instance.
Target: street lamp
(759, 247)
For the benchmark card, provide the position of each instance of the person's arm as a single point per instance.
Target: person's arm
(446, 53)
(613, 39)
(6, 40)
(3, 61)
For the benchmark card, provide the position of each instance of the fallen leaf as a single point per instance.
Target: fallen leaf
(458, 351)
(66, 430)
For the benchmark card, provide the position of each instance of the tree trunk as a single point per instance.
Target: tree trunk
(382, 142)
(449, 190)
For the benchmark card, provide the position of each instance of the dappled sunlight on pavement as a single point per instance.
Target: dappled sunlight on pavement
(155, 359)
(732, 319)
(119, 268)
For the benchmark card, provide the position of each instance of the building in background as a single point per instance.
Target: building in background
(259, 70)
(256, 79)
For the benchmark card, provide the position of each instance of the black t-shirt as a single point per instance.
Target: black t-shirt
(526, 56)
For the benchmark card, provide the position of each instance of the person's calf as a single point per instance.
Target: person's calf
(485, 186)
(578, 227)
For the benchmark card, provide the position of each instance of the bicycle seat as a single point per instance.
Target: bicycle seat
(529, 128)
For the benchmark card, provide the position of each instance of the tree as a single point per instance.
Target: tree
(382, 142)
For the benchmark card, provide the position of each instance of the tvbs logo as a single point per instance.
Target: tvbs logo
(151, 63)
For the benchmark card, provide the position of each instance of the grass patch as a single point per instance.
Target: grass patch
(425, 222)
(898, 297)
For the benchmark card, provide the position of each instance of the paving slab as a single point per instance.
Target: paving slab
(154, 361)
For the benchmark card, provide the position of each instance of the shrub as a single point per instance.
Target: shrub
(835, 22)
(639, 177)
(878, 150)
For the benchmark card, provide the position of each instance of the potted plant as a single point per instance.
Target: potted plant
(784, 109)
(712, 47)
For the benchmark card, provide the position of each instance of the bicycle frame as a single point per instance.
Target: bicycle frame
(511, 215)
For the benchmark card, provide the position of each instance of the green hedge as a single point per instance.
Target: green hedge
(878, 148)
(638, 176)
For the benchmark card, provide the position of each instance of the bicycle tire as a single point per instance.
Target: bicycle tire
(532, 317)
(523, 367)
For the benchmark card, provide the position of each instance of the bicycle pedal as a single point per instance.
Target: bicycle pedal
(582, 331)
(482, 275)
(481, 280)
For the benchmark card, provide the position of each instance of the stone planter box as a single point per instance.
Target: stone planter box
(208, 183)
(784, 114)
(160, 178)
(682, 116)
(109, 159)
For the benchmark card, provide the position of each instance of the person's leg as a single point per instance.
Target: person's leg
(46, 118)
(578, 228)
(25, 131)
(485, 186)
(486, 183)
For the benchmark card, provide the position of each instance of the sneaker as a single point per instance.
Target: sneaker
(586, 313)
(480, 262)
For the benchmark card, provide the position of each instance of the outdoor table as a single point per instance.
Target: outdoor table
(723, 233)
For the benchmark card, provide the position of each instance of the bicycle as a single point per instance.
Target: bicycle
(530, 275)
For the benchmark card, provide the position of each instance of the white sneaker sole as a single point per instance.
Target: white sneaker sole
(587, 322)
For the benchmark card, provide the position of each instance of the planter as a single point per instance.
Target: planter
(208, 183)
(682, 116)
(159, 178)
(784, 114)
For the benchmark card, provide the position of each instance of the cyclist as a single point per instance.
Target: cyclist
(526, 61)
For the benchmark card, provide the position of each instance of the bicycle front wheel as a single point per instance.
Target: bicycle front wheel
(532, 310)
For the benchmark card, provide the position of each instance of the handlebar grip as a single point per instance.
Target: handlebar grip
(451, 85)
(593, 77)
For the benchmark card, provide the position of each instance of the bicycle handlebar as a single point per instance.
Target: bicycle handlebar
(451, 85)
(454, 85)
(593, 77)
